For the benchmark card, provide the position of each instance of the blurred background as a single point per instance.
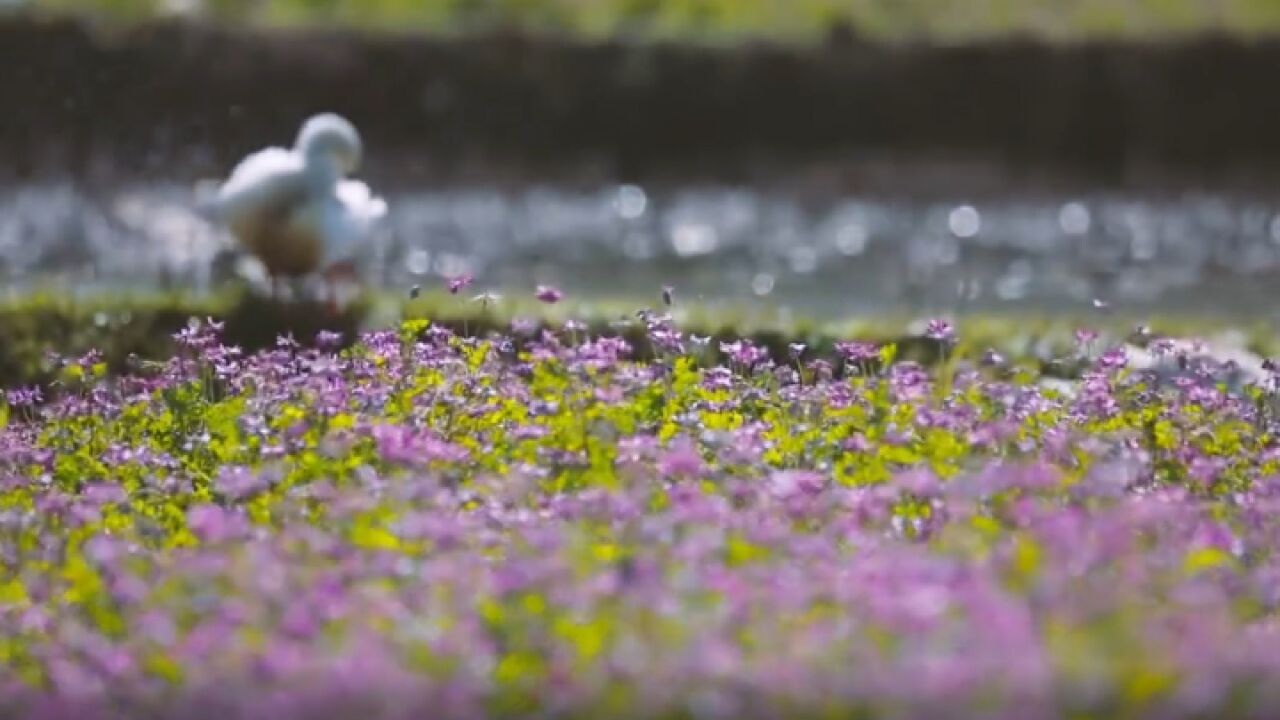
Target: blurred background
(715, 20)
(819, 157)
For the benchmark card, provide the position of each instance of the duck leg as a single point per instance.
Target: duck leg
(333, 277)
(328, 293)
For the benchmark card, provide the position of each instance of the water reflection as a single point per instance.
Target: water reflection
(1198, 252)
(965, 221)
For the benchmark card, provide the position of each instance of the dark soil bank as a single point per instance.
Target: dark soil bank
(184, 100)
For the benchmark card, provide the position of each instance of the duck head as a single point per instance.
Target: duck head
(330, 143)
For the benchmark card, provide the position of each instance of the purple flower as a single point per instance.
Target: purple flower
(24, 397)
(992, 358)
(744, 352)
(328, 339)
(919, 482)
(1085, 336)
(459, 283)
(524, 326)
(548, 294)
(820, 369)
(211, 523)
(1204, 470)
(1113, 359)
(681, 459)
(857, 351)
(397, 443)
(793, 483)
(638, 447)
(239, 483)
(667, 339)
(940, 330)
(857, 442)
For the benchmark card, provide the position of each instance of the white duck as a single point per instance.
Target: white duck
(296, 210)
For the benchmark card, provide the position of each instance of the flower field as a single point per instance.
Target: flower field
(531, 524)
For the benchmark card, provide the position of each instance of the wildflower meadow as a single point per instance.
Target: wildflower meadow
(419, 524)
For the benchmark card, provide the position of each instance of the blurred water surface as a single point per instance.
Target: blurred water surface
(819, 257)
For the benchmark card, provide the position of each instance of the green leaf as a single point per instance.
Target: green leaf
(1205, 558)
(888, 353)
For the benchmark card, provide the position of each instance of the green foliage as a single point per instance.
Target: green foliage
(142, 325)
(718, 20)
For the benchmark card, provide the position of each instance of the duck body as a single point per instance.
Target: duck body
(295, 210)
